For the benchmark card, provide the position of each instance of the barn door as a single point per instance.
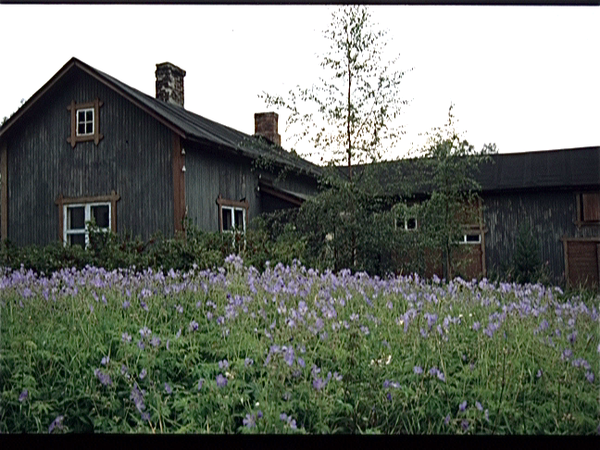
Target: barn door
(582, 258)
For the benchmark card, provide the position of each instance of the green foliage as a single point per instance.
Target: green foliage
(506, 378)
(350, 114)
(526, 264)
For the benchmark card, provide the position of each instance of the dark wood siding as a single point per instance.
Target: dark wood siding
(133, 158)
(582, 262)
(551, 215)
(210, 172)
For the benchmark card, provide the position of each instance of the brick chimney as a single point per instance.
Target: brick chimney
(265, 125)
(169, 83)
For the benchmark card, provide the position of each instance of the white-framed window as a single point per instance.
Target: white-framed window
(75, 217)
(406, 223)
(85, 122)
(233, 218)
(470, 239)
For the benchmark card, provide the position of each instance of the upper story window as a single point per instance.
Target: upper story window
(233, 214)
(85, 122)
(407, 223)
(588, 208)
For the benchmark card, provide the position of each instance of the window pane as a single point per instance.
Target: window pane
(76, 218)
(80, 116)
(89, 128)
(100, 215)
(411, 224)
(89, 116)
(227, 219)
(77, 239)
(239, 219)
(81, 128)
(473, 238)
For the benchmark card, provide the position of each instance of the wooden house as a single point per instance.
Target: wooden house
(88, 146)
(554, 195)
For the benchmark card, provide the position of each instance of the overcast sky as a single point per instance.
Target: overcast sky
(525, 78)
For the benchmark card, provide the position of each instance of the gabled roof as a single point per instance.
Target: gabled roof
(187, 124)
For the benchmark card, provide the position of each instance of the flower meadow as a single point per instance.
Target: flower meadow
(293, 350)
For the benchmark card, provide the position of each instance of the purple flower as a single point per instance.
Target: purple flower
(590, 376)
(301, 362)
(193, 325)
(386, 384)
(465, 425)
(126, 304)
(23, 395)
(318, 384)
(447, 419)
(168, 344)
(249, 421)
(221, 381)
(123, 369)
(57, 423)
(146, 416)
(539, 373)
(141, 345)
(283, 416)
(389, 396)
(168, 389)
(566, 354)
(155, 341)
(143, 374)
(478, 406)
(486, 415)
(476, 326)
(125, 337)
(433, 371)
(103, 377)
(105, 360)
(259, 414)
(178, 335)
(462, 406)
(289, 356)
(224, 364)
(200, 383)
(248, 362)
(179, 309)
(145, 332)
(441, 376)
(364, 329)
(418, 370)
(138, 397)
(572, 337)
(337, 376)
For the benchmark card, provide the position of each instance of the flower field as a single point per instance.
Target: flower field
(292, 350)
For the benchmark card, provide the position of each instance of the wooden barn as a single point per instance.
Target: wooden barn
(88, 146)
(554, 195)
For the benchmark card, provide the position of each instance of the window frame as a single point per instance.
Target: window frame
(84, 122)
(87, 208)
(64, 202)
(233, 206)
(464, 240)
(74, 109)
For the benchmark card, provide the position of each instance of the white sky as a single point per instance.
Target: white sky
(526, 78)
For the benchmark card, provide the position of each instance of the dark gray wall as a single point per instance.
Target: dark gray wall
(210, 172)
(551, 214)
(134, 159)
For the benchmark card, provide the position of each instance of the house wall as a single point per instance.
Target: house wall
(133, 159)
(210, 172)
(552, 215)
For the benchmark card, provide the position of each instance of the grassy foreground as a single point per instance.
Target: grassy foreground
(292, 350)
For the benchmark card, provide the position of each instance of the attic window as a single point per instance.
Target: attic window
(85, 118)
(85, 122)
(407, 223)
(233, 214)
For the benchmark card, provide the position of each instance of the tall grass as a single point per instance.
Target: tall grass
(293, 350)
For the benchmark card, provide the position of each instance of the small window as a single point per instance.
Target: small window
(233, 218)
(85, 122)
(232, 214)
(75, 231)
(471, 239)
(408, 224)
